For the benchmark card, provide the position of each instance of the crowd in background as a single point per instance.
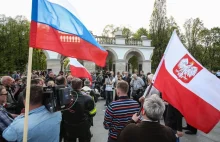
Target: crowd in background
(124, 94)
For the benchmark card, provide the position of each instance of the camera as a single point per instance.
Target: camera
(107, 74)
(56, 98)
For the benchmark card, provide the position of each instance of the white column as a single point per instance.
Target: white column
(146, 66)
(90, 66)
(120, 65)
(119, 39)
(54, 64)
(145, 41)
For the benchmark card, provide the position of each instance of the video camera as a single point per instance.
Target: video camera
(56, 98)
(107, 74)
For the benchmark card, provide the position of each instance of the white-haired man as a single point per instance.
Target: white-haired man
(137, 85)
(152, 91)
(149, 129)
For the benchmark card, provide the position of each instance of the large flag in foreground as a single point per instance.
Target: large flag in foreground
(55, 27)
(188, 86)
(78, 70)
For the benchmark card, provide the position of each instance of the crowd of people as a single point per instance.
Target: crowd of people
(124, 94)
(63, 125)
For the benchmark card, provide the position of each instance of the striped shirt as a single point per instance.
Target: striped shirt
(118, 114)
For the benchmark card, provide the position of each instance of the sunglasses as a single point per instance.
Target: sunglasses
(4, 94)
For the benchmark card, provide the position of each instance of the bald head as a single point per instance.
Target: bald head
(134, 76)
(7, 81)
(69, 78)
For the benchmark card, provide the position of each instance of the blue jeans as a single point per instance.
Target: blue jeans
(178, 140)
(109, 97)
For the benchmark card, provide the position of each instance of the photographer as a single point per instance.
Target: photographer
(42, 125)
(77, 119)
(109, 82)
(137, 83)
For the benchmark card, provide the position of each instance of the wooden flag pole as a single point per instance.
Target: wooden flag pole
(27, 98)
(148, 91)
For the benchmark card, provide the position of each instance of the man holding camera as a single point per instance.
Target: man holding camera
(109, 82)
(42, 125)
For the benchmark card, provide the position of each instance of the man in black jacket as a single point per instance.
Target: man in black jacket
(149, 130)
(76, 120)
(174, 120)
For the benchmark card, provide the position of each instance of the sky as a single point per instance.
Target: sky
(96, 14)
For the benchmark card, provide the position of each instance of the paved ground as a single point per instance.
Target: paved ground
(100, 134)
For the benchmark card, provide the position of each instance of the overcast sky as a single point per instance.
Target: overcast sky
(95, 14)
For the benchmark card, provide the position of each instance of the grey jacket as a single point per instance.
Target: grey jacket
(137, 84)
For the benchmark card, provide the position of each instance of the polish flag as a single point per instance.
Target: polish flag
(78, 70)
(188, 86)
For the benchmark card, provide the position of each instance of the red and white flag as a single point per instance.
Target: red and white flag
(188, 86)
(78, 70)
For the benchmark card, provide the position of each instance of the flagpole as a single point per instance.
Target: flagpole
(27, 98)
(148, 91)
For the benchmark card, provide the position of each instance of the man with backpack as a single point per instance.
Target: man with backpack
(92, 92)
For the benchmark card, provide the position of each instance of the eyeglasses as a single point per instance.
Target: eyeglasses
(4, 94)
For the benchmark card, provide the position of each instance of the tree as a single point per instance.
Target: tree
(158, 31)
(202, 43)
(171, 25)
(109, 30)
(39, 60)
(14, 38)
(192, 29)
(213, 59)
(140, 32)
(126, 32)
(14, 45)
(134, 63)
(62, 58)
(66, 62)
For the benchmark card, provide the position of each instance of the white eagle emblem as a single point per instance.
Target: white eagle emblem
(185, 69)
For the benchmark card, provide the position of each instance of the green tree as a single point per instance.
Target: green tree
(66, 62)
(14, 45)
(62, 58)
(14, 38)
(126, 32)
(140, 32)
(39, 60)
(158, 31)
(193, 27)
(109, 30)
(214, 50)
(134, 63)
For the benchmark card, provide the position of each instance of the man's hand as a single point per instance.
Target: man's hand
(14, 115)
(166, 103)
(141, 99)
(135, 117)
(179, 134)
